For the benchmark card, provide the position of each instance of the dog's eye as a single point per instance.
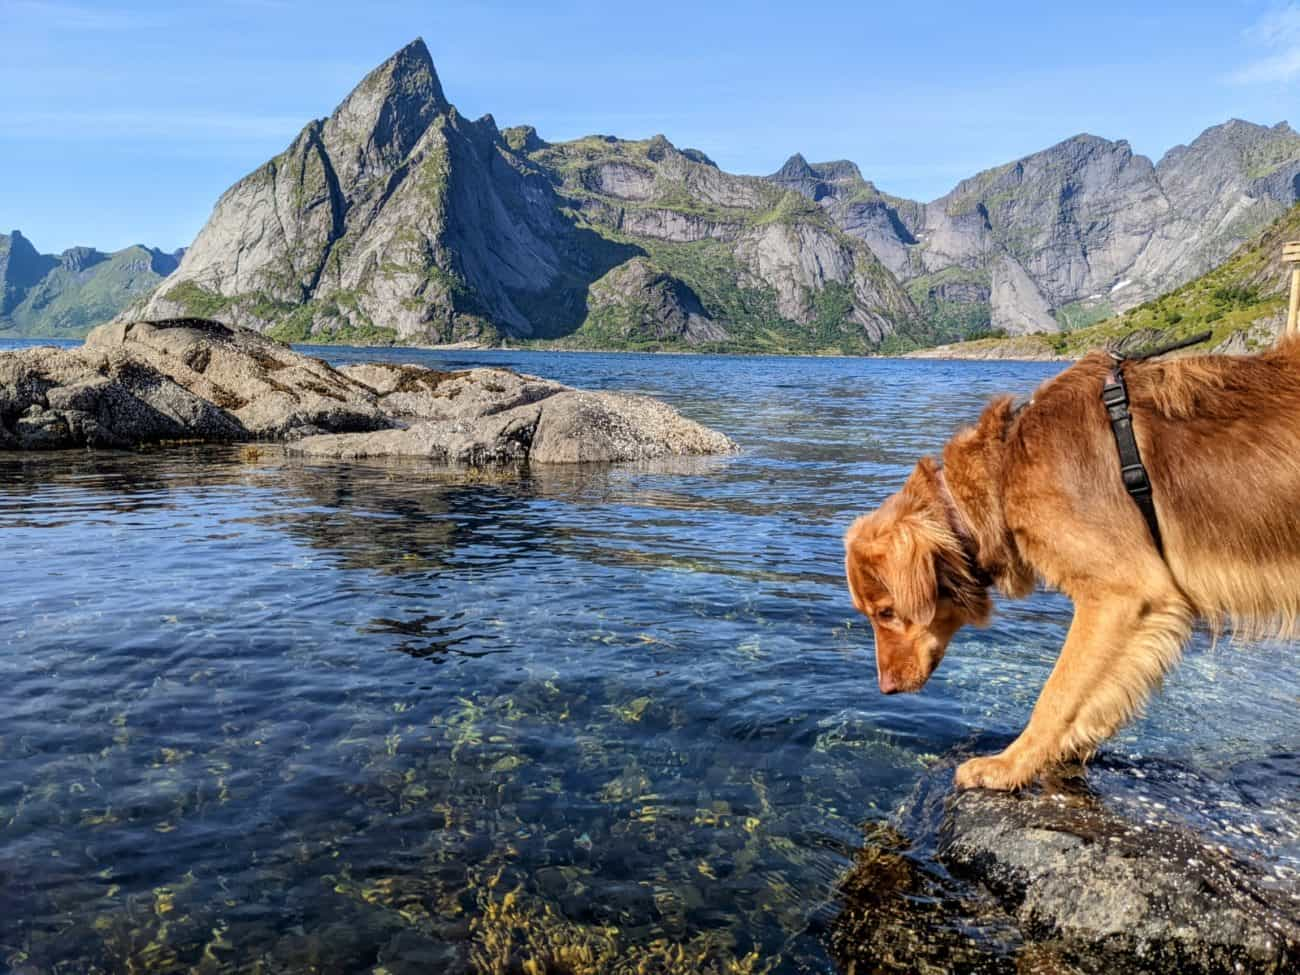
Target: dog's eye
(885, 614)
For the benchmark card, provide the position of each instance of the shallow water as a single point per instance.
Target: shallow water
(264, 714)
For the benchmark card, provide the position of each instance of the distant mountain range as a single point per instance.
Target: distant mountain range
(397, 219)
(64, 295)
(1241, 305)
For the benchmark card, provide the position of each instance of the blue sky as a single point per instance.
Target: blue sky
(122, 122)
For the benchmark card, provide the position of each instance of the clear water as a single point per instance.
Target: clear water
(269, 715)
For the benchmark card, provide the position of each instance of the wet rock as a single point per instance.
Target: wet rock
(145, 382)
(42, 429)
(1126, 873)
(410, 953)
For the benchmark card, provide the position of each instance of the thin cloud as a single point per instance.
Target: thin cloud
(1278, 32)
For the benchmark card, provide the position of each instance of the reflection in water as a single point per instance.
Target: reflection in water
(264, 714)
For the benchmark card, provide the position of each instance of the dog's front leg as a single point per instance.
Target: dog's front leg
(1116, 653)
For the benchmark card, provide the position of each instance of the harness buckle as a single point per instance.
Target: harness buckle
(1136, 479)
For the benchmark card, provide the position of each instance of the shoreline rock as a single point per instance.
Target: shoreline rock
(191, 379)
(1150, 867)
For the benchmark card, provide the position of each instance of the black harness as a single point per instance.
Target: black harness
(1114, 396)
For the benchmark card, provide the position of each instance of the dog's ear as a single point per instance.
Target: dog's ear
(907, 569)
(908, 556)
(894, 548)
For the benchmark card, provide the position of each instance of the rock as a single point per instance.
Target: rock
(101, 399)
(493, 416)
(145, 382)
(41, 429)
(266, 386)
(399, 219)
(1016, 305)
(578, 427)
(1134, 873)
(899, 915)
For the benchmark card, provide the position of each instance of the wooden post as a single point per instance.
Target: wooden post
(1291, 256)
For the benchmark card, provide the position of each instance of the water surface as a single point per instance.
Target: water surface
(264, 714)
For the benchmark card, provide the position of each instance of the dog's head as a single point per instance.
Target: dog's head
(908, 573)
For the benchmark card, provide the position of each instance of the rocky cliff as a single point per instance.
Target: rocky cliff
(63, 295)
(398, 219)
(1241, 304)
(1067, 236)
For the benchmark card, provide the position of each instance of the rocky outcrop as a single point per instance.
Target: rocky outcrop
(1241, 305)
(639, 300)
(1017, 306)
(858, 208)
(396, 219)
(1149, 868)
(21, 266)
(147, 382)
(395, 216)
(494, 416)
(1229, 182)
(66, 294)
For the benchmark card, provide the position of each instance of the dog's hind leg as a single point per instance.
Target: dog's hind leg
(1117, 652)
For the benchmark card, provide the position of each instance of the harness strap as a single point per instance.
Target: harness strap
(1114, 395)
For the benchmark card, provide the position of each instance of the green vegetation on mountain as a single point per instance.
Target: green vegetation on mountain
(1236, 298)
(64, 296)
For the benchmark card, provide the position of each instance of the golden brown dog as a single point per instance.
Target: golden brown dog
(1036, 494)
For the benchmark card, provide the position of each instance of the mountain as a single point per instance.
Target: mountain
(65, 295)
(398, 219)
(1070, 235)
(1241, 303)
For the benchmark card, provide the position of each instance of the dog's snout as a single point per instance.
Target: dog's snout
(889, 684)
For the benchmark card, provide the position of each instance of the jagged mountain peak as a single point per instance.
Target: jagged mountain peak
(385, 115)
(699, 156)
(1240, 137)
(1082, 143)
(818, 181)
(80, 258)
(796, 167)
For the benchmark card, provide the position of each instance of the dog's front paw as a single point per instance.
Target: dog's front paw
(992, 772)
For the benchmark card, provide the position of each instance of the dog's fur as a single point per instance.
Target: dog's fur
(1036, 495)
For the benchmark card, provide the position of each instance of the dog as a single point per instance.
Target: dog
(1035, 495)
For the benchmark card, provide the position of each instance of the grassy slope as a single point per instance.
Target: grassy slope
(1247, 288)
(67, 304)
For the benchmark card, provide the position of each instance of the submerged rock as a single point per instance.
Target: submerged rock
(1134, 873)
(146, 382)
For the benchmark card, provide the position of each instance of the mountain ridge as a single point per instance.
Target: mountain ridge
(64, 295)
(397, 219)
(1240, 304)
